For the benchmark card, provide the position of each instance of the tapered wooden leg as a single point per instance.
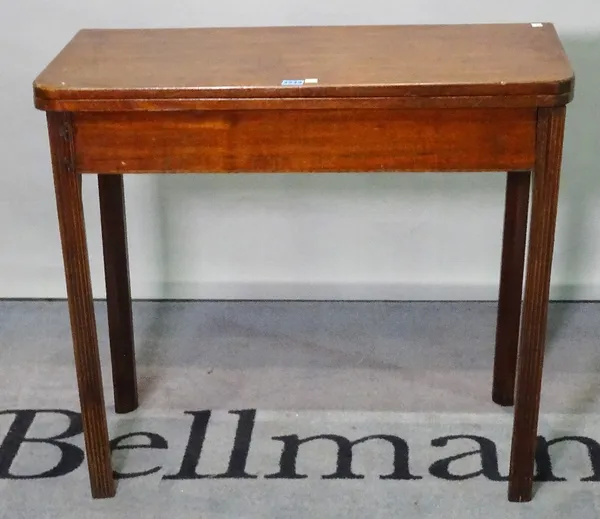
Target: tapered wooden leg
(81, 306)
(511, 285)
(535, 306)
(118, 292)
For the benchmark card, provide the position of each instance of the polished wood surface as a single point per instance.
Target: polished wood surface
(499, 60)
(306, 140)
(71, 222)
(427, 98)
(304, 103)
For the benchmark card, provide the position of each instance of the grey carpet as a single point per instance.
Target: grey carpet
(415, 371)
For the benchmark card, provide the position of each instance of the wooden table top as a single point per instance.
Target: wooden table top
(338, 61)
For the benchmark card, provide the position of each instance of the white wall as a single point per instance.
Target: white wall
(298, 236)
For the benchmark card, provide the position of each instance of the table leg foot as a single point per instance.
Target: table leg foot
(520, 494)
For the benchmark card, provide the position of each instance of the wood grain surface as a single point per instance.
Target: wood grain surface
(534, 320)
(69, 203)
(306, 141)
(353, 61)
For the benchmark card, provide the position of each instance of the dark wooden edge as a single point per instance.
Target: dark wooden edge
(315, 103)
(514, 239)
(118, 291)
(553, 87)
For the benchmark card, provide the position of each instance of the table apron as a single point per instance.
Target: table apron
(464, 139)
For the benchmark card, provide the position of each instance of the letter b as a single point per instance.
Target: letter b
(71, 455)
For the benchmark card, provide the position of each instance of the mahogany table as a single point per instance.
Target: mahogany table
(309, 99)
